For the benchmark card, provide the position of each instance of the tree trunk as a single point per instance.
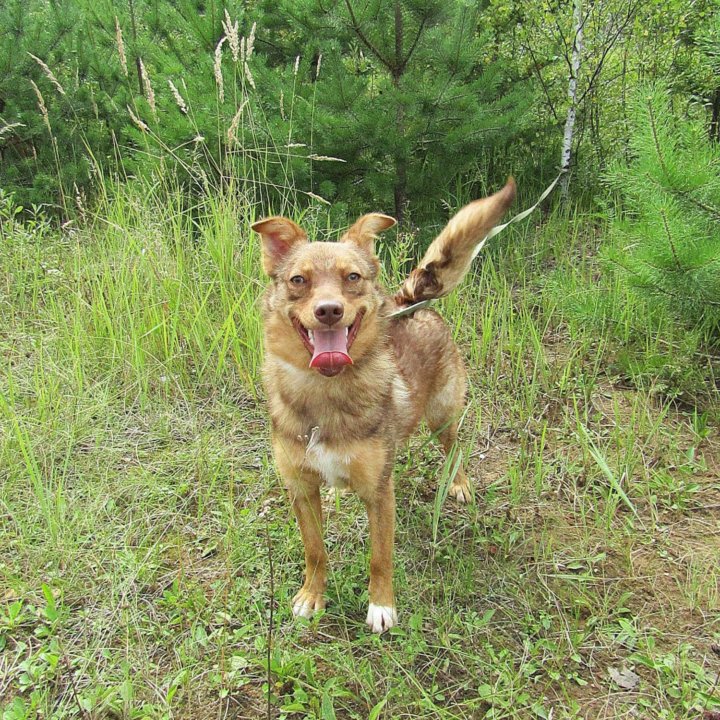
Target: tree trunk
(714, 129)
(566, 155)
(401, 161)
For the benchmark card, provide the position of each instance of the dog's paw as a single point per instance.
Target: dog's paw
(306, 603)
(381, 617)
(460, 492)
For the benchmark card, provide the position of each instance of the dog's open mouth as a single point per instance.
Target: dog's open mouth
(329, 349)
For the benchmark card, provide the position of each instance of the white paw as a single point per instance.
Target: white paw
(381, 617)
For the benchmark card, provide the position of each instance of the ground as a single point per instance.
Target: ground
(149, 556)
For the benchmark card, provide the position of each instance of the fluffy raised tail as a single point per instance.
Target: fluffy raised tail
(448, 258)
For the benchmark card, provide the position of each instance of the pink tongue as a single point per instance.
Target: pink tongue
(330, 355)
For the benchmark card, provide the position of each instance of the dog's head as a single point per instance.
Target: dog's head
(322, 306)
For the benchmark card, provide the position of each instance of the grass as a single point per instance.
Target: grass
(148, 555)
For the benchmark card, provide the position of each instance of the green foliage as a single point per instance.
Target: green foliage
(417, 101)
(93, 113)
(668, 236)
(407, 108)
(405, 92)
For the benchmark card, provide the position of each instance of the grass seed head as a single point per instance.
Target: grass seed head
(120, 47)
(178, 97)
(147, 85)
(138, 122)
(5, 129)
(250, 45)
(42, 107)
(232, 130)
(249, 76)
(217, 69)
(48, 73)
(231, 32)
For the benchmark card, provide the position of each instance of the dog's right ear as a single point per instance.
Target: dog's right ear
(365, 230)
(279, 236)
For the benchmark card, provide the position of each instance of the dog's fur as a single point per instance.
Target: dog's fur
(343, 429)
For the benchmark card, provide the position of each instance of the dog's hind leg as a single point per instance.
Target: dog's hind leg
(443, 408)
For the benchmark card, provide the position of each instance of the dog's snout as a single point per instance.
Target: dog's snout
(329, 311)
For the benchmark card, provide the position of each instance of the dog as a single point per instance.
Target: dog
(346, 383)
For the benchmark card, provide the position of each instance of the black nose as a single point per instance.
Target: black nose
(329, 311)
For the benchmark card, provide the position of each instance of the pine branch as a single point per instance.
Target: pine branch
(686, 195)
(656, 139)
(363, 39)
(642, 283)
(668, 234)
(413, 46)
(709, 209)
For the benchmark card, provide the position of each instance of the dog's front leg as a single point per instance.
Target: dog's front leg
(306, 503)
(380, 505)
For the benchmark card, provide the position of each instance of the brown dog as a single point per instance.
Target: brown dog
(346, 383)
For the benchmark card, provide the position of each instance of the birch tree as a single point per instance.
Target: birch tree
(575, 62)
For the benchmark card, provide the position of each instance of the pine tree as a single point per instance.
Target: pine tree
(404, 93)
(51, 146)
(668, 236)
(407, 94)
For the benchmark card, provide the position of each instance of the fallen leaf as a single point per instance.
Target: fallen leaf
(626, 679)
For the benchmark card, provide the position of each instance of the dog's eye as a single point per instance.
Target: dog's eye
(353, 277)
(297, 280)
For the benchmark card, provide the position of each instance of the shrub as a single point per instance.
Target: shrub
(667, 237)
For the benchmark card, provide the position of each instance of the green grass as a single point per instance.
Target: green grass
(148, 555)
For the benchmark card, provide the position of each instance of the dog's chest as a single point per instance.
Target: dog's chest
(331, 464)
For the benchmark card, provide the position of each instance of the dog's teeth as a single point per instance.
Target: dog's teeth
(311, 336)
(347, 331)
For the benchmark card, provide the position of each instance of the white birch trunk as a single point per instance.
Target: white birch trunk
(566, 155)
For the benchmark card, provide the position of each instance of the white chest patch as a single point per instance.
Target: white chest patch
(331, 464)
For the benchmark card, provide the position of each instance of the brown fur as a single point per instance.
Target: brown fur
(345, 429)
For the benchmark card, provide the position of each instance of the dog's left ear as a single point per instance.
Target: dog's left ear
(279, 236)
(365, 229)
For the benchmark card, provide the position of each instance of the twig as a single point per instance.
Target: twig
(542, 82)
(271, 619)
(404, 63)
(73, 688)
(358, 31)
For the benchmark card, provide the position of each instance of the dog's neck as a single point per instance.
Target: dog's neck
(301, 399)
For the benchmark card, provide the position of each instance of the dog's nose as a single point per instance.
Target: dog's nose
(329, 311)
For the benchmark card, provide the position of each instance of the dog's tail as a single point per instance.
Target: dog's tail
(448, 258)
